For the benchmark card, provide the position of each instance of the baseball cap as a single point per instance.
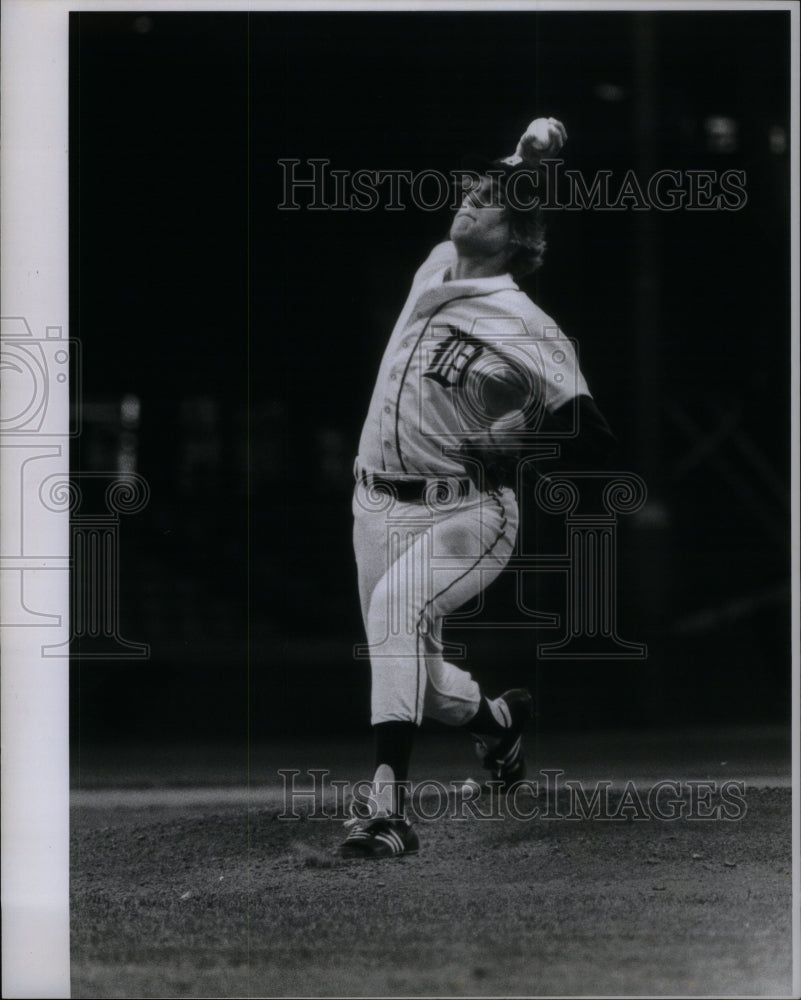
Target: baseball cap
(519, 182)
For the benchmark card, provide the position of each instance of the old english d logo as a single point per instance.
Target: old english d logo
(452, 356)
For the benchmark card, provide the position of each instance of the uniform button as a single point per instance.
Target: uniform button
(393, 376)
(405, 343)
(387, 409)
(388, 444)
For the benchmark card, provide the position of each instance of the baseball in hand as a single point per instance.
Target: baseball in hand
(544, 137)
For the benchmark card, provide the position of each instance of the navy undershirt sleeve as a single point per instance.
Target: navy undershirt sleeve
(590, 439)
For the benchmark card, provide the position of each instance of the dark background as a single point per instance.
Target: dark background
(250, 338)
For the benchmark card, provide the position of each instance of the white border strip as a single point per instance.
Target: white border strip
(35, 689)
(533, 6)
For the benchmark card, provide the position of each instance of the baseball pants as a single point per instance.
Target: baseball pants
(418, 562)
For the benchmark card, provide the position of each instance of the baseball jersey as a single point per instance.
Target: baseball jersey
(462, 353)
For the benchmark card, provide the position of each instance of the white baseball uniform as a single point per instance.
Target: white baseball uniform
(460, 351)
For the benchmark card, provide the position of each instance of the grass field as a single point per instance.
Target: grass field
(186, 883)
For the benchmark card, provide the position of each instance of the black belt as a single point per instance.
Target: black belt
(436, 490)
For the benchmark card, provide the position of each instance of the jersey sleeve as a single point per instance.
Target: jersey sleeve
(561, 373)
(589, 438)
(555, 358)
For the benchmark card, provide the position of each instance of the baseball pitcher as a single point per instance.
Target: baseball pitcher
(473, 371)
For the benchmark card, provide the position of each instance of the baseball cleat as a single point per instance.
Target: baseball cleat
(370, 803)
(383, 837)
(502, 755)
(360, 811)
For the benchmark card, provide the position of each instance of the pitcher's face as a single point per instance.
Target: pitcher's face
(481, 226)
